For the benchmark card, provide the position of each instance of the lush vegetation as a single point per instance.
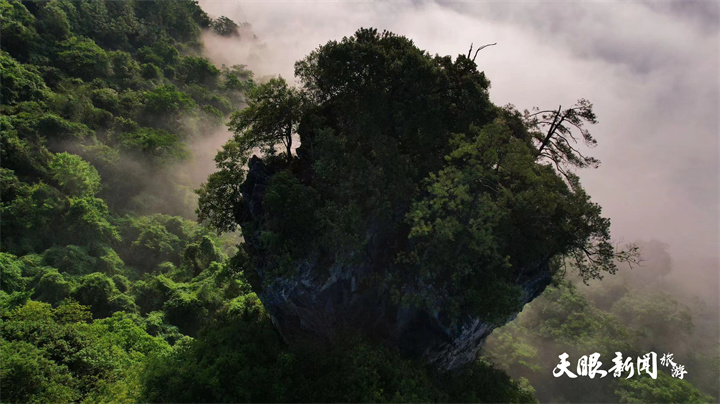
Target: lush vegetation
(633, 313)
(102, 264)
(110, 291)
(403, 149)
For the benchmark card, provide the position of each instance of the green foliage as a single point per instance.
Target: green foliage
(52, 21)
(160, 53)
(167, 100)
(19, 155)
(125, 331)
(555, 144)
(99, 292)
(58, 355)
(150, 240)
(72, 259)
(74, 175)
(151, 293)
(406, 150)
(185, 311)
(11, 279)
(149, 71)
(19, 35)
(227, 363)
(89, 222)
(20, 82)
(109, 262)
(61, 129)
(79, 90)
(199, 256)
(664, 389)
(566, 316)
(157, 326)
(655, 313)
(124, 67)
(164, 107)
(98, 301)
(198, 70)
(52, 288)
(236, 79)
(355, 371)
(462, 221)
(28, 376)
(83, 58)
(481, 382)
(289, 221)
(220, 198)
(182, 19)
(366, 165)
(271, 118)
(36, 213)
(82, 138)
(241, 358)
(209, 100)
(158, 144)
(225, 27)
(563, 319)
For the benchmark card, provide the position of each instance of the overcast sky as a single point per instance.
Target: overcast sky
(650, 68)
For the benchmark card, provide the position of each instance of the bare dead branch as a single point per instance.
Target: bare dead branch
(479, 49)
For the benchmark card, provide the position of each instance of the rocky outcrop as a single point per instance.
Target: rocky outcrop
(317, 302)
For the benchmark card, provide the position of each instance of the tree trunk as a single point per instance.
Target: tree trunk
(289, 143)
(551, 131)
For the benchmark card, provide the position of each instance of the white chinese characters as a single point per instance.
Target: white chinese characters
(590, 366)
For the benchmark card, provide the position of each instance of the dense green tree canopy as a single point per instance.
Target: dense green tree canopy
(89, 284)
(406, 147)
(271, 117)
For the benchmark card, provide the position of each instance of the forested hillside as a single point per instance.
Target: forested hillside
(102, 264)
(112, 291)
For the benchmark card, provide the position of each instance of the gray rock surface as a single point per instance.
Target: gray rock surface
(318, 303)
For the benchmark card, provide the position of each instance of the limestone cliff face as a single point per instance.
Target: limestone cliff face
(317, 302)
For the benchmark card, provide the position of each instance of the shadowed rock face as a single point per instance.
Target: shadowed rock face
(319, 299)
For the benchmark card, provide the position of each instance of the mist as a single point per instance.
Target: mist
(650, 68)
(644, 309)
